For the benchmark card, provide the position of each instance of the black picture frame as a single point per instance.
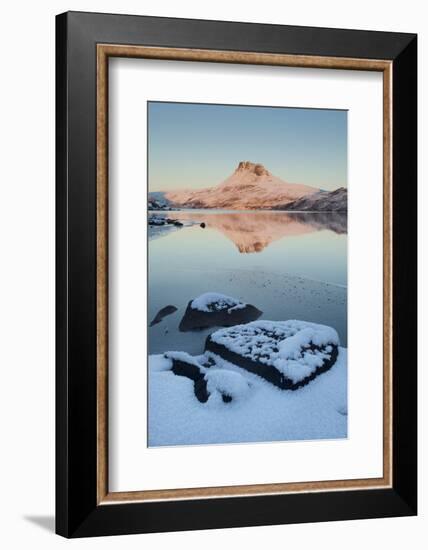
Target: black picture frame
(77, 512)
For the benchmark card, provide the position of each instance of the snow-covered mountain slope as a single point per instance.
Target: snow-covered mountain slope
(325, 201)
(250, 186)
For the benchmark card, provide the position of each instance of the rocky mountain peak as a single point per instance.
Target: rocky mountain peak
(252, 167)
(249, 187)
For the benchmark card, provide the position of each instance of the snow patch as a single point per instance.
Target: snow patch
(226, 382)
(160, 363)
(213, 301)
(184, 357)
(262, 412)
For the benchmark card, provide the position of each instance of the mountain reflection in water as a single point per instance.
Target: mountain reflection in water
(254, 231)
(289, 265)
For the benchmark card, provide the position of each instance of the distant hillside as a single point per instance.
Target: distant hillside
(250, 187)
(323, 201)
(158, 197)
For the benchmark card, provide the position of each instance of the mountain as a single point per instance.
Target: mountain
(323, 201)
(250, 187)
(158, 196)
(157, 201)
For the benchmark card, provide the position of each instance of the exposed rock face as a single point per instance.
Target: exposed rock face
(289, 354)
(247, 166)
(216, 310)
(324, 201)
(250, 187)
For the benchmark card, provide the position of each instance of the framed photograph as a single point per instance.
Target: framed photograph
(236, 274)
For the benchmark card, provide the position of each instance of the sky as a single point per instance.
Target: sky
(193, 145)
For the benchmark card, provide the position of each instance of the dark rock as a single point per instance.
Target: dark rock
(180, 367)
(201, 391)
(167, 310)
(203, 225)
(188, 368)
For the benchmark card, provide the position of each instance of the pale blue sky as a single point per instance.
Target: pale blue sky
(199, 145)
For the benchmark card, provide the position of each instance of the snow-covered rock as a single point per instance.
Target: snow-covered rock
(209, 383)
(215, 309)
(214, 301)
(226, 384)
(289, 354)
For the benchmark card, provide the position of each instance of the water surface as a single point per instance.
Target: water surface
(289, 265)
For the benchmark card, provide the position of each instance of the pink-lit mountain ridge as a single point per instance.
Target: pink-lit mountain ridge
(250, 187)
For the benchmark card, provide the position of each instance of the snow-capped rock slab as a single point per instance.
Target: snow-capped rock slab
(289, 354)
(213, 309)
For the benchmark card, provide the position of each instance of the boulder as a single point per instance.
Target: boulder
(212, 309)
(288, 354)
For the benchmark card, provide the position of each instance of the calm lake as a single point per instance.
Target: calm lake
(289, 265)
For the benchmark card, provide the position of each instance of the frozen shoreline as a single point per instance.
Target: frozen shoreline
(265, 413)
